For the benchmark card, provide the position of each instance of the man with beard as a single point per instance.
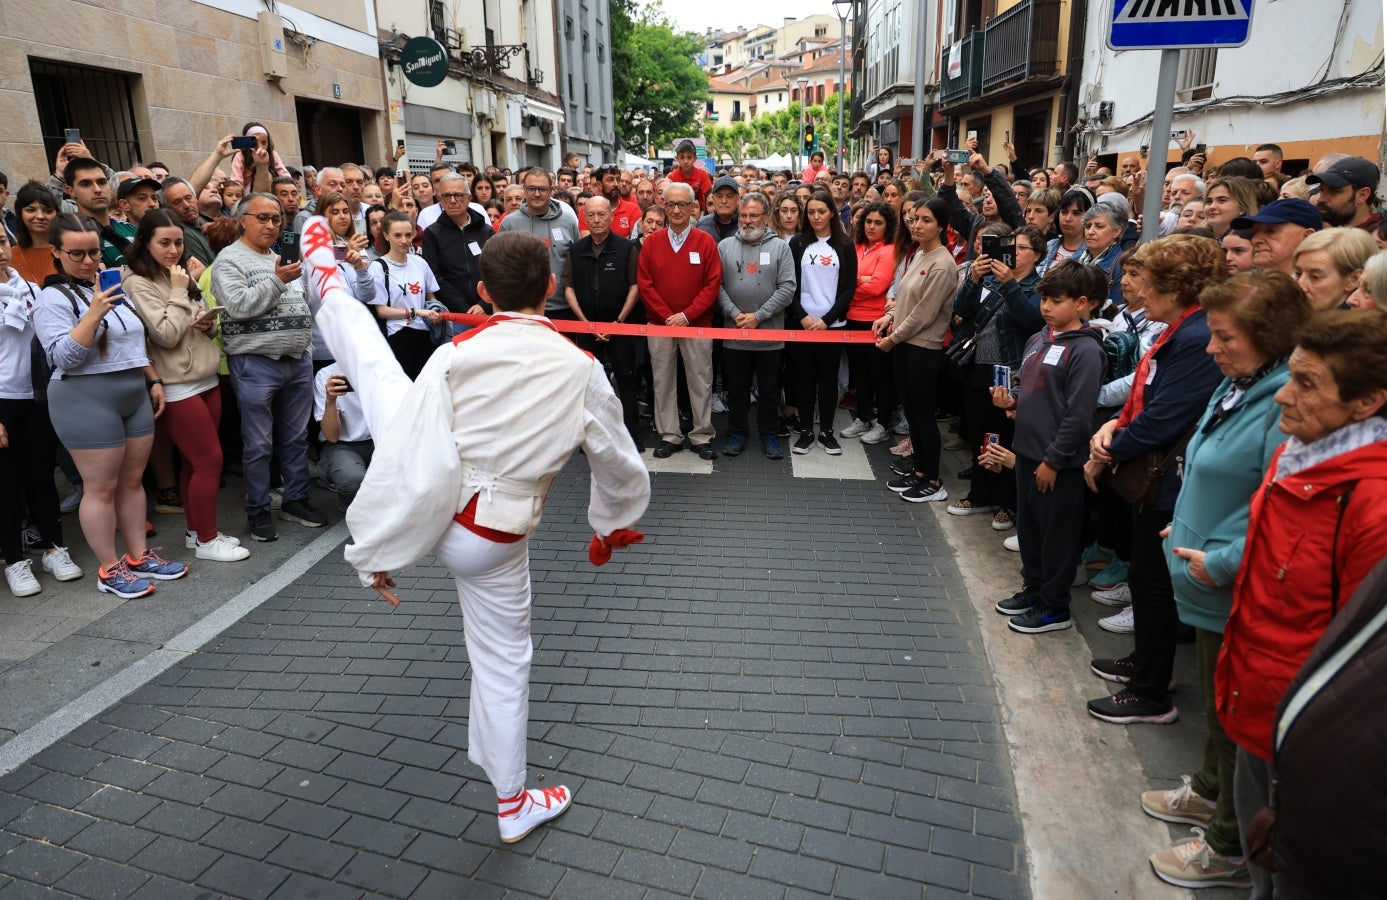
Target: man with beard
(1347, 194)
(599, 283)
(758, 283)
(625, 212)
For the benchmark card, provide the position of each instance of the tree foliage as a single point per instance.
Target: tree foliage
(777, 132)
(655, 73)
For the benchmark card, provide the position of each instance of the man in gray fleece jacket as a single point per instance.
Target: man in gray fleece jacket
(268, 333)
(554, 223)
(758, 283)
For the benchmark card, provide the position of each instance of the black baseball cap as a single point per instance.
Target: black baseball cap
(1354, 170)
(131, 185)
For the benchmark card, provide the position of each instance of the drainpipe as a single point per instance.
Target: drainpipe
(1073, 75)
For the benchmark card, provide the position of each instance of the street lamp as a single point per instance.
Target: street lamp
(842, 8)
(645, 120)
(803, 82)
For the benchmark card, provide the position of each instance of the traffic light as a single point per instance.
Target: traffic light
(811, 140)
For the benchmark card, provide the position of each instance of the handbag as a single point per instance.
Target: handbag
(961, 352)
(1138, 481)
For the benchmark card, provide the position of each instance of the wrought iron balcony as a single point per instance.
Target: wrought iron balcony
(491, 57)
(1022, 43)
(967, 85)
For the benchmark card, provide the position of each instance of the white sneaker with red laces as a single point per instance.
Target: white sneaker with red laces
(526, 811)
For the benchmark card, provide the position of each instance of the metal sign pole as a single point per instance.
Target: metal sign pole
(1160, 144)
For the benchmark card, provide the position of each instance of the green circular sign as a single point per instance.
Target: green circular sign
(424, 61)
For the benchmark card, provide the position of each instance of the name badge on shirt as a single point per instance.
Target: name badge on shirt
(1054, 355)
(475, 248)
(1151, 373)
(694, 258)
(765, 259)
(557, 234)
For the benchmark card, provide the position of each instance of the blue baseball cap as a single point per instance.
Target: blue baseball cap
(1295, 210)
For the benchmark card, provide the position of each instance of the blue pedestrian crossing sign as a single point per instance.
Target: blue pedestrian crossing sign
(1179, 24)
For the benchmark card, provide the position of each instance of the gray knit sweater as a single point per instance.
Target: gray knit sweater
(264, 316)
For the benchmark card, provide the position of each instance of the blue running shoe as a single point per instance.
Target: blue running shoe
(151, 565)
(119, 580)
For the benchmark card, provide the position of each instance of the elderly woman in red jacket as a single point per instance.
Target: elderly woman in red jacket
(1316, 530)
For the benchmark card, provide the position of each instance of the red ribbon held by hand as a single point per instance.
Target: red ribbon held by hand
(600, 548)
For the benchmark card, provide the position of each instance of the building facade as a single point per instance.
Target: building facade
(1311, 84)
(885, 67)
(167, 81)
(499, 104)
(585, 70)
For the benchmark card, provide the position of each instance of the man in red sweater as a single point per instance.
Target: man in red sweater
(679, 274)
(695, 176)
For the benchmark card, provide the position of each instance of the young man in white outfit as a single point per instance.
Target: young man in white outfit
(464, 457)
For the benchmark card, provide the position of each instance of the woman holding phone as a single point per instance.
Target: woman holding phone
(104, 398)
(179, 326)
(401, 283)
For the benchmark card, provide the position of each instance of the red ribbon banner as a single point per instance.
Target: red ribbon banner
(569, 326)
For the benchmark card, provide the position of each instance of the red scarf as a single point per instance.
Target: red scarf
(1137, 399)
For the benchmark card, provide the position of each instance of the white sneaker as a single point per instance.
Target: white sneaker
(1013, 543)
(190, 539)
(58, 563)
(518, 818)
(1114, 596)
(1121, 623)
(877, 434)
(855, 430)
(902, 426)
(222, 548)
(719, 405)
(276, 498)
(21, 578)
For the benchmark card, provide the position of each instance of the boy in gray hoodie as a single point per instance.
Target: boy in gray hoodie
(1061, 371)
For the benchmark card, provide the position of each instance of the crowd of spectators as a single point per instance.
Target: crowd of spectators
(1193, 426)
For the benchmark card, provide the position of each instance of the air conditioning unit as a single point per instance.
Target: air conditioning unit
(273, 59)
(457, 38)
(546, 126)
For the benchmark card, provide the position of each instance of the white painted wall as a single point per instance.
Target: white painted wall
(1290, 44)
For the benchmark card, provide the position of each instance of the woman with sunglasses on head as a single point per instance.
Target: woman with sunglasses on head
(104, 398)
(179, 327)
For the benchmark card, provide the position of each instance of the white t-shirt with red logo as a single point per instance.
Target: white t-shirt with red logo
(407, 286)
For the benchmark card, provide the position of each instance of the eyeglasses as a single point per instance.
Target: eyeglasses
(78, 255)
(266, 218)
(537, 189)
(453, 198)
(678, 204)
(751, 217)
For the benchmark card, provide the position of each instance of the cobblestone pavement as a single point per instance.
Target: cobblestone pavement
(782, 693)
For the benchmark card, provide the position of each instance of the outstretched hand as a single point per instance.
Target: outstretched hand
(382, 582)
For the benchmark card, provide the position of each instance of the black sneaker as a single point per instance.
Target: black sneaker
(705, 451)
(303, 512)
(903, 466)
(1126, 708)
(1119, 671)
(788, 424)
(924, 492)
(262, 527)
(667, 449)
(804, 444)
(1019, 602)
(830, 443)
(968, 473)
(905, 483)
(1037, 620)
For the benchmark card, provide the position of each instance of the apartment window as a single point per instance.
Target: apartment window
(438, 22)
(1195, 80)
(585, 42)
(821, 94)
(568, 27)
(98, 102)
(601, 52)
(570, 84)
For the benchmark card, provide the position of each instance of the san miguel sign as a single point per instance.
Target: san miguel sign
(424, 61)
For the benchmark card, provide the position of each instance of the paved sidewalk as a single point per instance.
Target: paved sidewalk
(781, 694)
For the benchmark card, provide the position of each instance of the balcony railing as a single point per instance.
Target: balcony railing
(1022, 42)
(967, 85)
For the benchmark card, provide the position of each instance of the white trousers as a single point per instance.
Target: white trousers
(494, 591)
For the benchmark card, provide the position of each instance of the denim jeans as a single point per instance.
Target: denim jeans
(276, 399)
(343, 466)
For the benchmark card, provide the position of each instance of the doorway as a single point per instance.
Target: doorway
(1031, 133)
(329, 135)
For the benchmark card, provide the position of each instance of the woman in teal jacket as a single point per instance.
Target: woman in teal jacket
(1252, 321)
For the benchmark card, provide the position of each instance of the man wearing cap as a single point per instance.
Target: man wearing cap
(721, 221)
(1347, 194)
(1277, 230)
(134, 198)
(686, 172)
